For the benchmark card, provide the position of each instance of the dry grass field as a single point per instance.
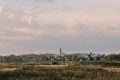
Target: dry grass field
(57, 72)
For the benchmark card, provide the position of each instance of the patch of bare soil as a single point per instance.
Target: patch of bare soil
(8, 69)
(53, 66)
(112, 69)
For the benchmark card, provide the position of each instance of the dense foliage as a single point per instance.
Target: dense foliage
(112, 57)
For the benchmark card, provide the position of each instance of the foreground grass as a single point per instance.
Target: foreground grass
(53, 72)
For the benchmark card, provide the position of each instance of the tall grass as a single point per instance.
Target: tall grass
(31, 72)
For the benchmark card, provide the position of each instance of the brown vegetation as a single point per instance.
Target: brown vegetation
(56, 72)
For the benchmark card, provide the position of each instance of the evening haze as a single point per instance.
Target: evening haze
(44, 26)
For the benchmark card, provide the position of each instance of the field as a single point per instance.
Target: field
(57, 72)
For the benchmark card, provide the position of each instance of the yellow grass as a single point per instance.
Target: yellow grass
(112, 69)
(8, 69)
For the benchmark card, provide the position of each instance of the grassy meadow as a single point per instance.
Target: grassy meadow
(57, 72)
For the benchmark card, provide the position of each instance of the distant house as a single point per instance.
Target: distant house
(82, 59)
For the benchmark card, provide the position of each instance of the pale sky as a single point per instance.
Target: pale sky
(44, 26)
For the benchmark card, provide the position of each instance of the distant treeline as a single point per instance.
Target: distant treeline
(25, 58)
(38, 58)
(113, 57)
(34, 58)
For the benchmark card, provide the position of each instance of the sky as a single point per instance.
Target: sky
(44, 26)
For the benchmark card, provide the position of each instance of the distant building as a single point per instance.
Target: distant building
(60, 50)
